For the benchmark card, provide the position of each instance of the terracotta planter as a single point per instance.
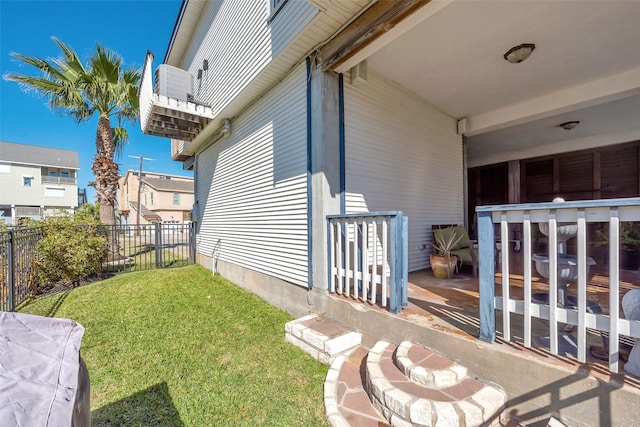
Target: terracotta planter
(441, 268)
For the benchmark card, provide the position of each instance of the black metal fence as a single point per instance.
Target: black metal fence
(17, 266)
(130, 248)
(144, 247)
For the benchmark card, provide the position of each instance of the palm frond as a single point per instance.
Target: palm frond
(120, 139)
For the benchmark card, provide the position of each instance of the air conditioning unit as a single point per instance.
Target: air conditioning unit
(173, 82)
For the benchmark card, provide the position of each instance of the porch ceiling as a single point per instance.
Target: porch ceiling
(586, 66)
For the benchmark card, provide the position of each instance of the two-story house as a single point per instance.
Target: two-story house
(162, 198)
(315, 128)
(36, 181)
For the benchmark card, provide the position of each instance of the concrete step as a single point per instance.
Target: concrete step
(404, 402)
(345, 399)
(428, 368)
(323, 338)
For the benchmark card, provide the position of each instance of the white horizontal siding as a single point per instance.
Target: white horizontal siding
(402, 154)
(248, 55)
(237, 40)
(252, 187)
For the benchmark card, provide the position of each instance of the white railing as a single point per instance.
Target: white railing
(579, 312)
(368, 256)
(58, 180)
(145, 91)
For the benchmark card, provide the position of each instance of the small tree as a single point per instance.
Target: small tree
(90, 209)
(71, 250)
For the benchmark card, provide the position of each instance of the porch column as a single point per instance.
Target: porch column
(325, 165)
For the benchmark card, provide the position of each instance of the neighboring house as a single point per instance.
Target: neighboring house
(292, 110)
(36, 181)
(163, 198)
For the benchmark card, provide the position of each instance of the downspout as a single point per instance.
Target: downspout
(309, 184)
(343, 175)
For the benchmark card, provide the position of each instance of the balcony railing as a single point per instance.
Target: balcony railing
(368, 256)
(558, 308)
(169, 117)
(59, 180)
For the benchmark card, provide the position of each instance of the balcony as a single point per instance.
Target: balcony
(59, 180)
(167, 116)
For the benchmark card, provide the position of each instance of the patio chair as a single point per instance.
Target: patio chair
(466, 250)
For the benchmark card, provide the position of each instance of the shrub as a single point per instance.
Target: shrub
(71, 249)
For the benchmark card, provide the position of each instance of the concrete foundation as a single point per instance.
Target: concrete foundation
(536, 389)
(296, 300)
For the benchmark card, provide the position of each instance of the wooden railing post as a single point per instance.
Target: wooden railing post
(486, 274)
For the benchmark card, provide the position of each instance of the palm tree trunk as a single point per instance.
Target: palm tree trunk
(105, 170)
(106, 173)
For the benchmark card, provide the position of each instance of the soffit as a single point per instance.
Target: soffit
(453, 59)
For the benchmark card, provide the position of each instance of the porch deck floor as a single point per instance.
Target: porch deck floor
(452, 307)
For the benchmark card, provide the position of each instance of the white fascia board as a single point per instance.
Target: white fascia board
(401, 28)
(580, 96)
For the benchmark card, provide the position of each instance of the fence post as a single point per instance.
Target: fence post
(192, 242)
(158, 228)
(10, 256)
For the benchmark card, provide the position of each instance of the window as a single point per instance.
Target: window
(53, 172)
(54, 192)
(65, 174)
(176, 198)
(274, 8)
(151, 199)
(27, 181)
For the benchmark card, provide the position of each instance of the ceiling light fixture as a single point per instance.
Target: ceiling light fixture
(569, 125)
(519, 53)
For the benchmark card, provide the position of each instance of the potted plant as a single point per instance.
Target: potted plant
(443, 263)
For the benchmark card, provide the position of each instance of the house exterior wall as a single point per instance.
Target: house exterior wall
(251, 192)
(402, 154)
(49, 195)
(234, 61)
(161, 203)
(164, 200)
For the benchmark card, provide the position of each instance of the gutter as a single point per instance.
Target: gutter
(176, 26)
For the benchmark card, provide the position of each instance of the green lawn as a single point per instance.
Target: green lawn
(181, 347)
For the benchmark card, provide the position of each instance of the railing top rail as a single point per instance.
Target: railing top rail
(366, 215)
(574, 204)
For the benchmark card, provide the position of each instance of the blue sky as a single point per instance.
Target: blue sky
(129, 27)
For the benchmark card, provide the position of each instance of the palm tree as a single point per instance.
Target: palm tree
(104, 85)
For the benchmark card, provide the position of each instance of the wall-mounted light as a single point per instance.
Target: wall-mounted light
(519, 53)
(205, 65)
(569, 125)
(199, 74)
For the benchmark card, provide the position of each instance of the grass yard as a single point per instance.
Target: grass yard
(181, 347)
